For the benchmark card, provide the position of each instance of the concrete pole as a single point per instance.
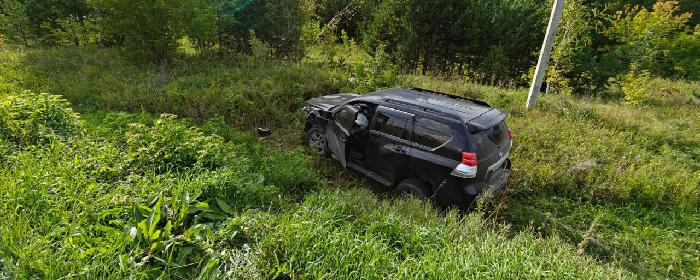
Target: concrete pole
(557, 10)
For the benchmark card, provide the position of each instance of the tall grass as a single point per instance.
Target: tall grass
(353, 235)
(245, 91)
(143, 200)
(599, 186)
(633, 168)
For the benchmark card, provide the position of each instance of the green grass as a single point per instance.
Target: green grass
(600, 188)
(635, 168)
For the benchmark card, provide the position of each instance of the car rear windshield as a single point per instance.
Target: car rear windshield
(491, 140)
(498, 134)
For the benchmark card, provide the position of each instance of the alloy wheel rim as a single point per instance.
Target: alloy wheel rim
(317, 143)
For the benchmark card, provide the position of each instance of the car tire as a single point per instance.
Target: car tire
(413, 187)
(316, 142)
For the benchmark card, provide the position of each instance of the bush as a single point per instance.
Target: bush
(574, 66)
(375, 73)
(171, 145)
(636, 87)
(278, 23)
(472, 35)
(31, 118)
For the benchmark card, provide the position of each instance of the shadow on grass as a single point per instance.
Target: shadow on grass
(650, 242)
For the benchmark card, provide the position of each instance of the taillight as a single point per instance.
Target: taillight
(467, 168)
(510, 134)
(469, 159)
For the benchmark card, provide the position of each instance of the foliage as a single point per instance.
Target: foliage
(6, 149)
(574, 64)
(258, 48)
(636, 86)
(656, 40)
(472, 36)
(29, 118)
(246, 93)
(345, 15)
(624, 163)
(150, 29)
(81, 32)
(375, 73)
(279, 23)
(106, 218)
(170, 145)
(31, 22)
(14, 21)
(490, 42)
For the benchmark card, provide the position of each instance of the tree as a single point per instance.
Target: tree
(14, 21)
(150, 28)
(574, 65)
(278, 23)
(491, 41)
(655, 40)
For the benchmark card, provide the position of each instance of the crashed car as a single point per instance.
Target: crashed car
(422, 143)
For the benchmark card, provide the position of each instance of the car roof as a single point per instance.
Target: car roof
(441, 104)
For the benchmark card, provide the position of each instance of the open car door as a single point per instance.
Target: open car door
(338, 131)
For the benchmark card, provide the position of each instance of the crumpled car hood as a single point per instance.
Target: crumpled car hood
(327, 102)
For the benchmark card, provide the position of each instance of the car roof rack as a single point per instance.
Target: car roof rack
(478, 102)
(418, 107)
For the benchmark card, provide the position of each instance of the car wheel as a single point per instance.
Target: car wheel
(413, 187)
(316, 141)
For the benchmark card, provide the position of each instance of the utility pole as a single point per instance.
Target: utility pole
(546, 50)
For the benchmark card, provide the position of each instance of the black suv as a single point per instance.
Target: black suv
(427, 144)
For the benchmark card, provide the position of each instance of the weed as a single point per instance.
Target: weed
(29, 118)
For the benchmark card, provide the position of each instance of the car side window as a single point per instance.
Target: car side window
(345, 118)
(392, 125)
(431, 133)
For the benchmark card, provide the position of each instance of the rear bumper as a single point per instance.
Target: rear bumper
(499, 184)
(498, 178)
(464, 193)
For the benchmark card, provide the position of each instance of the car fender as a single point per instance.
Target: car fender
(315, 118)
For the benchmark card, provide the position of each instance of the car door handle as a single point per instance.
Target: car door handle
(399, 149)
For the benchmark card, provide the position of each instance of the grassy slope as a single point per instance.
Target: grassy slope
(631, 169)
(634, 169)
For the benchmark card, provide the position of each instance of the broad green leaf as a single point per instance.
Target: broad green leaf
(224, 207)
(153, 219)
(200, 206)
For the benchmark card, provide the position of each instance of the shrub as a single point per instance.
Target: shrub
(171, 145)
(374, 73)
(31, 118)
(574, 67)
(278, 23)
(470, 37)
(636, 86)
